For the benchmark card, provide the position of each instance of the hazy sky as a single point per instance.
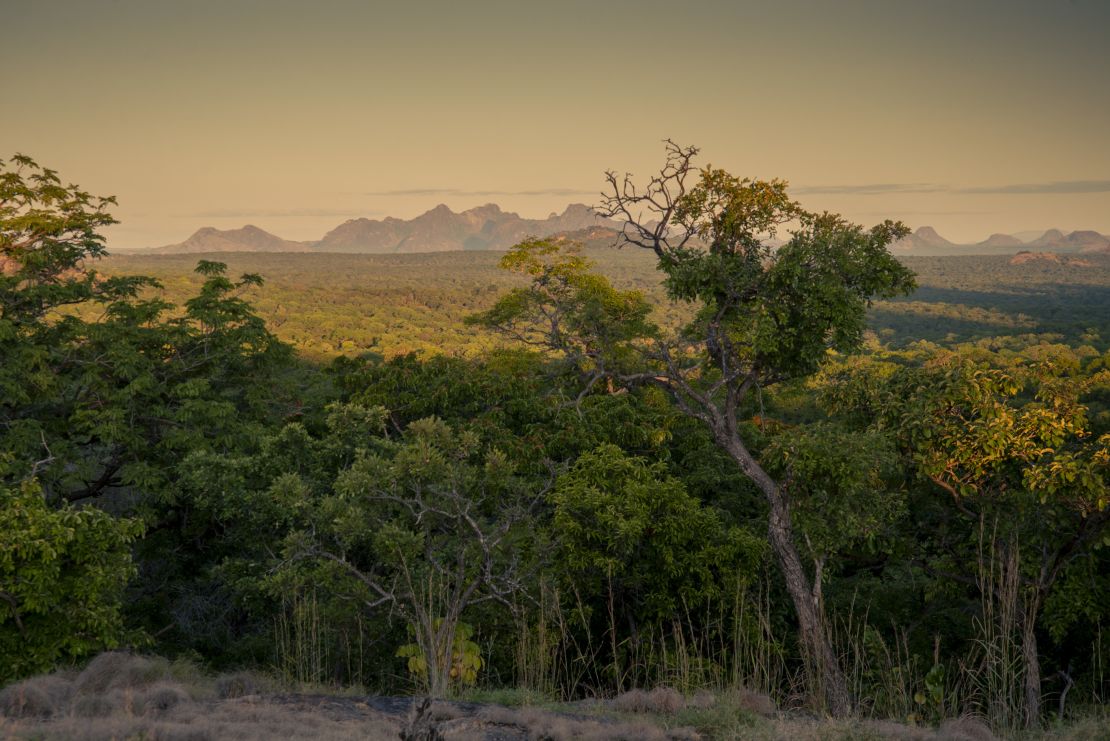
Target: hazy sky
(971, 116)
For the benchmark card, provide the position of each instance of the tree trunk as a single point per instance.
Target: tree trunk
(437, 647)
(823, 670)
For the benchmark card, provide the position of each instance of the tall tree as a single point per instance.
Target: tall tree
(765, 315)
(102, 391)
(101, 388)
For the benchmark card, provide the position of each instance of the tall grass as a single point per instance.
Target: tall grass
(716, 646)
(303, 656)
(992, 676)
(883, 674)
(562, 651)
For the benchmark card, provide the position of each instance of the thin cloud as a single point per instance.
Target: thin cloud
(930, 212)
(881, 189)
(471, 193)
(871, 189)
(276, 213)
(1059, 186)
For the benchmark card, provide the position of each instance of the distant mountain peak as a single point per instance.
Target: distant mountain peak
(929, 234)
(924, 238)
(487, 210)
(247, 238)
(1001, 240)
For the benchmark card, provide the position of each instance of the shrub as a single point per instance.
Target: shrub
(63, 571)
(118, 670)
(662, 700)
(29, 699)
(161, 698)
(239, 684)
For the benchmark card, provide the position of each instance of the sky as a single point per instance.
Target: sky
(974, 117)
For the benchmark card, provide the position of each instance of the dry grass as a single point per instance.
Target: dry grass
(661, 700)
(123, 696)
(535, 723)
(239, 684)
(120, 696)
(37, 697)
(966, 729)
(116, 670)
(208, 721)
(1090, 729)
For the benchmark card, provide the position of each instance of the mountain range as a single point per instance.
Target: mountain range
(489, 228)
(438, 230)
(926, 241)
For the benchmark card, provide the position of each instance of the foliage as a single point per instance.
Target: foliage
(1011, 452)
(840, 481)
(47, 231)
(567, 308)
(62, 572)
(625, 528)
(103, 392)
(107, 405)
(465, 660)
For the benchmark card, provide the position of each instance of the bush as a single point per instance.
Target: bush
(38, 697)
(118, 670)
(662, 700)
(239, 684)
(162, 697)
(94, 706)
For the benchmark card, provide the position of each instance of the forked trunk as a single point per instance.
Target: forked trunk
(823, 671)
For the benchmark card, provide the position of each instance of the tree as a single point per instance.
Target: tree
(626, 524)
(424, 526)
(628, 535)
(62, 574)
(1012, 454)
(764, 316)
(103, 388)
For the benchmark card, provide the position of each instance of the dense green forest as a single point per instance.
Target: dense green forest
(863, 487)
(329, 304)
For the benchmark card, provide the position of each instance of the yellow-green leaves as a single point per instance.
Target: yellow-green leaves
(463, 657)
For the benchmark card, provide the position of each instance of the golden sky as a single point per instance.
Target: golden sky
(971, 116)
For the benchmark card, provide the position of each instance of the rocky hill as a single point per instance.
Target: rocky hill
(245, 239)
(1025, 257)
(1001, 240)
